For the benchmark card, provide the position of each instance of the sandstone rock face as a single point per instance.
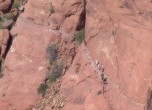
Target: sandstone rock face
(5, 4)
(18, 87)
(26, 62)
(117, 35)
(21, 79)
(66, 12)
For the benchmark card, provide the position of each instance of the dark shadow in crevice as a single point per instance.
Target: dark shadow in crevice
(9, 8)
(82, 19)
(149, 99)
(9, 44)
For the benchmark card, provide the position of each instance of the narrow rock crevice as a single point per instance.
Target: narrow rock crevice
(82, 19)
(8, 18)
(9, 44)
(70, 53)
(81, 26)
(4, 49)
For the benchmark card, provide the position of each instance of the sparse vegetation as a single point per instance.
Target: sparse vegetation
(56, 92)
(55, 72)
(1, 66)
(52, 53)
(9, 16)
(6, 17)
(42, 88)
(1, 25)
(79, 36)
(1, 69)
(52, 9)
(55, 67)
(16, 4)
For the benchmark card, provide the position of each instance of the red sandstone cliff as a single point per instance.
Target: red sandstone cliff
(117, 36)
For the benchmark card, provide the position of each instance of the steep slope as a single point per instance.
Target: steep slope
(26, 62)
(118, 34)
(110, 70)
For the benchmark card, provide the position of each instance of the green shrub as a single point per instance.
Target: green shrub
(56, 92)
(79, 36)
(1, 74)
(1, 25)
(52, 9)
(55, 73)
(1, 69)
(52, 53)
(1, 66)
(5, 17)
(16, 4)
(42, 88)
(9, 16)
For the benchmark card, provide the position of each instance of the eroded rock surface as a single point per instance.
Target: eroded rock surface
(117, 34)
(26, 62)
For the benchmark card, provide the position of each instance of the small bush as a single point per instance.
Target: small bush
(52, 9)
(1, 75)
(1, 66)
(52, 53)
(55, 73)
(56, 92)
(1, 25)
(9, 16)
(16, 4)
(79, 36)
(42, 88)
